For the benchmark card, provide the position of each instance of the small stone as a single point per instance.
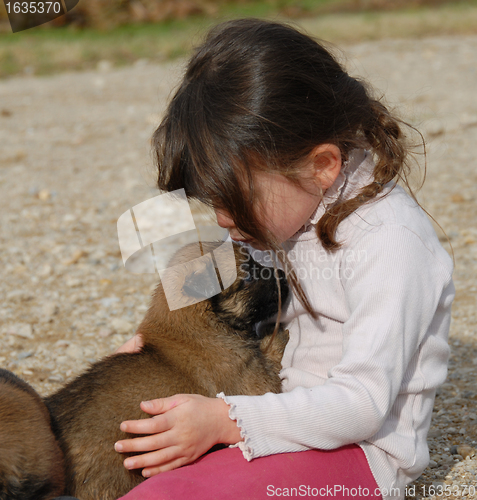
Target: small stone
(24, 355)
(121, 326)
(56, 378)
(75, 351)
(20, 296)
(24, 330)
(469, 240)
(463, 450)
(105, 332)
(434, 433)
(457, 198)
(451, 401)
(49, 309)
(45, 271)
(108, 301)
(77, 255)
(69, 218)
(451, 430)
(432, 464)
(44, 194)
(88, 352)
(73, 282)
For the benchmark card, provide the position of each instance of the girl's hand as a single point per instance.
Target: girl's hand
(184, 427)
(132, 345)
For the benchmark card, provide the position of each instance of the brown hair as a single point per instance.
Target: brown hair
(260, 95)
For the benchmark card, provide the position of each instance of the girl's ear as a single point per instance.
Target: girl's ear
(326, 160)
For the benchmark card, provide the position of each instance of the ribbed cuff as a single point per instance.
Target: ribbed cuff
(242, 445)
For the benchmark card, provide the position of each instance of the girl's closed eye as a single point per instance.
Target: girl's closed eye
(282, 205)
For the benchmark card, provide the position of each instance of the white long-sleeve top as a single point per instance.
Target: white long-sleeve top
(366, 371)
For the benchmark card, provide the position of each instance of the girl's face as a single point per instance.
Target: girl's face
(284, 207)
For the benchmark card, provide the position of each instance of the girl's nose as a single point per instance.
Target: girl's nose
(224, 220)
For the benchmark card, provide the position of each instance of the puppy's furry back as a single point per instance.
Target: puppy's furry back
(31, 462)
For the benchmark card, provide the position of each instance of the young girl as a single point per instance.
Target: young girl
(296, 157)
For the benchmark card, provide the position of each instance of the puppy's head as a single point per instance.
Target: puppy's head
(254, 295)
(238, 290)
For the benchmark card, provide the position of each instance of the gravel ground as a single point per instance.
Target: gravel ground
(74, 155)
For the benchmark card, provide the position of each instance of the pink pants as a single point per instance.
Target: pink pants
(225, 475)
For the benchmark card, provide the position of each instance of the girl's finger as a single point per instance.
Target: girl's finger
(146, 443)
(157, 406)
(146, 425)
(153, 459)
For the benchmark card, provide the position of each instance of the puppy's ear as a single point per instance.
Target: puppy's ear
(202, 284)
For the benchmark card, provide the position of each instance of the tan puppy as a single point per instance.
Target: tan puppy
(31, 462)
(204, 348)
